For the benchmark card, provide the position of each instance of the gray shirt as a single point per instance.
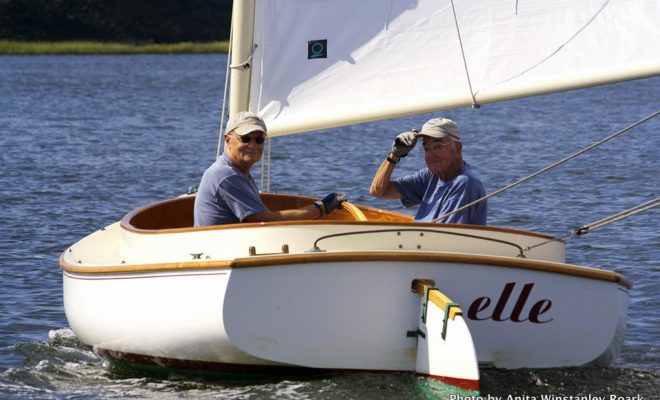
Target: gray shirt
(436, 197)
(226, 195)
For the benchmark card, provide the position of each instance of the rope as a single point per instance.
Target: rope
(548, 168)
(224, 97)
(467, 73)
(584, 229)
(268, 173)
(245, 64)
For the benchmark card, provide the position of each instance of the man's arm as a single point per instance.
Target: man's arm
(306, 212)
(382, 186)
(312, 211)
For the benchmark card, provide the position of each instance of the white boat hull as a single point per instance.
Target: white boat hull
(165, 297)
(344, 315)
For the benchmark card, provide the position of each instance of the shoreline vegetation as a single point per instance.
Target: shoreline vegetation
(16, 47)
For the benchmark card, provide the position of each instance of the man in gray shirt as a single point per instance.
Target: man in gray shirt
(445, 185)
(227, 193)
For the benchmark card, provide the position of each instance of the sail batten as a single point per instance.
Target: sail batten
(322, 64)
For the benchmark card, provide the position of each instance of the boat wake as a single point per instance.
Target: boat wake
(63, 367)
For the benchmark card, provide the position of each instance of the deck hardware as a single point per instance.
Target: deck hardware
(253, 251)
(421, 234)
(123, 261)
(196, 256)
(419, 246)
(398, 232)
(444, 321)
(416, 333)
(79, 261)
(425, 306)
(401, 246)
(315, 249)
(418, 283)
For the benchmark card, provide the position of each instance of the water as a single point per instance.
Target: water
(86, 139)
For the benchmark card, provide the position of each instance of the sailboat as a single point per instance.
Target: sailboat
(366, 289)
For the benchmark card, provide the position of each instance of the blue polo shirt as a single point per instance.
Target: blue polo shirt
(226, 195)
(436, 197)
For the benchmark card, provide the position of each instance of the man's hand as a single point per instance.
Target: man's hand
(403, 143)
(330, 203)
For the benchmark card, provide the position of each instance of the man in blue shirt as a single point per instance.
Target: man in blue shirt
(446, 184)
(227, 193)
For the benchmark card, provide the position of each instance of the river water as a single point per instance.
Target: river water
(85, 139)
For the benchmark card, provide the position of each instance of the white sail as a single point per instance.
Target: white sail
(389, 58)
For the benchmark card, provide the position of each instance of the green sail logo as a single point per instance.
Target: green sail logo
(317, 49)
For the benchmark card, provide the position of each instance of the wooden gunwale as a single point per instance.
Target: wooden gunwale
(409, 225)
(361, 256)
(389, 218)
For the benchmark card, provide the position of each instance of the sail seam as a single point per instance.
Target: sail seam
(475, 104)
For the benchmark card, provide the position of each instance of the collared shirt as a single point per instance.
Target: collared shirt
(226, 195)
(436, 197)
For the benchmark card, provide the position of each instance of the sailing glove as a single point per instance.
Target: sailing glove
(330, 202)
(403, 143)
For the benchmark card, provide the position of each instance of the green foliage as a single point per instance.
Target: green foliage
(145, 21)
(85, 47)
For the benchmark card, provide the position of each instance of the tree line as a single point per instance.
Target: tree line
(142, 21)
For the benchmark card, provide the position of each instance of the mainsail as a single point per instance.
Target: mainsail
(312, 64)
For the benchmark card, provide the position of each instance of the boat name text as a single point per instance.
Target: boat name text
(480, 309)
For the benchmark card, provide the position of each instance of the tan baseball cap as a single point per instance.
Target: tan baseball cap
(245, 122)
(441, 127)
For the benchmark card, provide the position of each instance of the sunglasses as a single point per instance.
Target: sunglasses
(257, 139)
(436, 146)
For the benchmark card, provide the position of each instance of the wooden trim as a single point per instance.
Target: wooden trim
(176, 215)
(363, 256)
(141, 268)
(436, 297)
(179, 214)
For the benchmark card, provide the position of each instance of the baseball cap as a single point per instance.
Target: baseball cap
(245, 122)
(441, 127)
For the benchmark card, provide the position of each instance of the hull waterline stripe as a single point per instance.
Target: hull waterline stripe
(255, 369)
(158, 274)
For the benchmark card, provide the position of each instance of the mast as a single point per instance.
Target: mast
(241, 55)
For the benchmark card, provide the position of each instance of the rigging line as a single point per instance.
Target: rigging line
(584, 229)
(549, 167)
(268, 173)
(264, 180)
(224, 96)
(261, 175)
(616, 217)
(467, 72)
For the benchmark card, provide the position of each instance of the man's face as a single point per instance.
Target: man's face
(441, 155)
(245, 150)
